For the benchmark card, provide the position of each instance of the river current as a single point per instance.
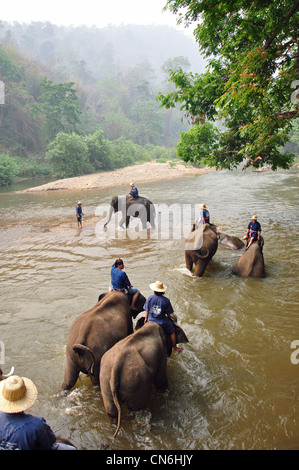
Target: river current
(235, 385)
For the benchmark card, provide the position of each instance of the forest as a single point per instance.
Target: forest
(78, 100)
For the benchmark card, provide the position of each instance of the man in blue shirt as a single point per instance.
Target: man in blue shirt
(253, 231)
(79, 214)
(204, 216)
(20, 431)
(158, 308)
(121, 282)
(133, 191)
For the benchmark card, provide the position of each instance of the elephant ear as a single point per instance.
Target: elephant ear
(139, 323)
(180, 334)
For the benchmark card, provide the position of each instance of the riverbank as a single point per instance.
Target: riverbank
(142, 173)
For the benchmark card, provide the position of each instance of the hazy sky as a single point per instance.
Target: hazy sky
(89, 12)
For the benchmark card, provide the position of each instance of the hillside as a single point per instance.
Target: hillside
(115, 73)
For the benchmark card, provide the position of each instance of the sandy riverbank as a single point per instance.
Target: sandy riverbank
(143, 173)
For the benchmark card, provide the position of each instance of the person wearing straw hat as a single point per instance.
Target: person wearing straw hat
(204, 215)
(79, 214)
(253, 231)
(133, 191)
(158, 309)
(18, 430)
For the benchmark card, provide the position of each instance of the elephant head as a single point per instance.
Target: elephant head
(251, 263)
(179, 332)
(200, 247)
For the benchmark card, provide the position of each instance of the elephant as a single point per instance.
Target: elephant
(4, 376)
(93, 333)
(138, 304)
(200, 247)
(138, 207)
(230, 241)
(251, 263)
(133, 364)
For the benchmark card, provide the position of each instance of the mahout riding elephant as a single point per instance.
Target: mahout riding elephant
(4, 376)
(251, 263)
(93, 333)
(130, 367)
(138, 207)
(232, 242)
(200, 247)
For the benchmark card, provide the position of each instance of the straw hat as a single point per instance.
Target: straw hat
(131, 184)
(158, 286)
(79, 202)
(17, 394)
(254, 217)
(203, 206)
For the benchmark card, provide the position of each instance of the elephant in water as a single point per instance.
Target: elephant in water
(133, 364)
(93, 333)
(138, 207)
(230, 241)
(200, 247)
(251, 263)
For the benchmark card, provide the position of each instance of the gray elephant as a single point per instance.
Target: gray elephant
(200, 247)
(138, 207)
(139, 303)
(232, 242)
(133, 364)
(93, 333)
(251, 263)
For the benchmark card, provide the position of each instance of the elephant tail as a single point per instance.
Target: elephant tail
(114, 384)
(201, 256)
(85, 352)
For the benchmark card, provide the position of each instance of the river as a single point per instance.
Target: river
(235, 385)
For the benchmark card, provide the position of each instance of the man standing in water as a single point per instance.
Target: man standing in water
(79, 214)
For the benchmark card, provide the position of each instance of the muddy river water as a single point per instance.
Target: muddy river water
(235, 385)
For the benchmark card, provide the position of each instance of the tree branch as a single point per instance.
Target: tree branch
(292, 11)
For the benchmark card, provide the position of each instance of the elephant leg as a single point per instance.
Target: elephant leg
(200, 268)
(160, 378)
(189, 261)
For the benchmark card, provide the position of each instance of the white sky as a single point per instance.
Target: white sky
(89, 12)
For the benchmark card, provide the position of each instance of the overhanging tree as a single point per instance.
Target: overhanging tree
(253, 69)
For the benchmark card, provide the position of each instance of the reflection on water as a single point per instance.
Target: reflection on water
(234, 386)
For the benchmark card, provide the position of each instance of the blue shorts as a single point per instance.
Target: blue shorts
(165, 322)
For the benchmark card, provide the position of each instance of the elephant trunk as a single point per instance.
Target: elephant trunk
(111, 211)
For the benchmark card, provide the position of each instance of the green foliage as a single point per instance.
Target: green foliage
(197, 145)
(253, 66)
(99, 151)
(68, 155)
(8, 169)
(32, 167)
(58, 103)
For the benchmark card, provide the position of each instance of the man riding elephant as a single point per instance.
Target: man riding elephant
(158, 310)
(120, 282)
(253, 231)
